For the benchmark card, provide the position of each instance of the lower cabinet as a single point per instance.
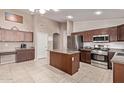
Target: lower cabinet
(85, 56)
(118, 73)
(24, 55)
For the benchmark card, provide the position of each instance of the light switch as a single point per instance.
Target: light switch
(72, 58)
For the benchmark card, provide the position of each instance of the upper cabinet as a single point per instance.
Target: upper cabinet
(120, 33)
(15, 36)
(8, 36)
(19, 36)
(115, 33)
(28, 36)
(87, 36)
(112, 31)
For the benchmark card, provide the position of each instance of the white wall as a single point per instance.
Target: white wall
(50, 27)
(69, 27)
(27, 20)
(63, 31)
(43, 24)
(88, 25)
(26, 26)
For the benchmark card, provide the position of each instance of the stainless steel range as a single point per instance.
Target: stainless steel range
(99, 57)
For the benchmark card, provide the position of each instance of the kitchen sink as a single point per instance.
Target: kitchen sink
(120, 54)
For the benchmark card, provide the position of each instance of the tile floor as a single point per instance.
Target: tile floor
(42, 72)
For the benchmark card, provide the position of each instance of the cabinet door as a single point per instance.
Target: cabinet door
(104, 31)
(8, 35)
(86, 36)
(19, 36)
(113, 34)
(56, 59)
(118, 73)
(83, 56)
(97, 32)
(90, 36)
(29, 36)
(75, 62)
(120, 33)
(20, 56)
(88, 57)
(30, 54)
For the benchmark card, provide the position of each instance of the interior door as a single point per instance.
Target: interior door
(42, 46)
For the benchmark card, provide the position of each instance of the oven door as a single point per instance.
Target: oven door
(98, 57)
(99, 60)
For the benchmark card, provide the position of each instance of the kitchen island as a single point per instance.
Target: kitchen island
(67, 61)
(118, 67)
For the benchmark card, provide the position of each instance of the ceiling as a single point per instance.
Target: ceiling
(85, 14)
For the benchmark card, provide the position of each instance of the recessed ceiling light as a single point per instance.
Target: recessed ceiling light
(42, 11)
(98, 12)
(69, 17)
(56, 10)
(32, 10)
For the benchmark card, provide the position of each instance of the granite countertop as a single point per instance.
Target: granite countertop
(65, 51)
(10, 52)
(118, 59)
(116, 50)
(7, 53)
(85, 49)
(24, 48)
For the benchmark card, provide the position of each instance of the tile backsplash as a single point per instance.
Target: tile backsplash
(115, 45)
(11, 46)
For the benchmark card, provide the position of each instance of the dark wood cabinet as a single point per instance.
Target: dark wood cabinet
(112, 31)
(118, 73)
(104, 31)
(120, 33)
(85, 36)
(85, 56)
(24, 55)
(115, 33)
(68, 63)
(54, 57)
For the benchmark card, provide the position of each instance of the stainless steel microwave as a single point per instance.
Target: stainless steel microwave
(101, 38)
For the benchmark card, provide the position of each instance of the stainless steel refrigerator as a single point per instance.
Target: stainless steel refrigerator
(74, 42)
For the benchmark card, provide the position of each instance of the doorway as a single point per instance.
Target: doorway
(42, 44)
(56, 41)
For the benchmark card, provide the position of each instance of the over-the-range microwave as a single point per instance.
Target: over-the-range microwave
(100, 38)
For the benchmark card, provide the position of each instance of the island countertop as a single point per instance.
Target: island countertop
(65, 51)
(65, 60)
(118, 59)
